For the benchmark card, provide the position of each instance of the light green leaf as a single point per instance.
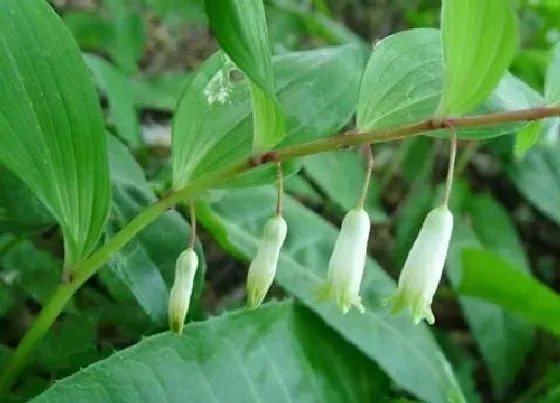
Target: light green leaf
(268, 120)
(552, 85)
(145, 266)
(537, 178)
(210, 137)
(121, 100)
(51, 126)
(484, 276)
(505, 346)
(240, 27)
(527, 137)
(403, 83)
(480, 38)
(20, 211)
(341, 176)
(274, 354)
(420, 367)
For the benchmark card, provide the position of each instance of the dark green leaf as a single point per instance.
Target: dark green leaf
(92, 31)
(160, 92)
(420, 367)
(121, 100)
(20, 211)
(274, 354)
(146, 265)
(489, 277)
(51, 126)
(480, 38)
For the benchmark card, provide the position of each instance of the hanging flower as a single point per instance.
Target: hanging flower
(180, 296)
(347, 262)
(263, 267)
(424, 265)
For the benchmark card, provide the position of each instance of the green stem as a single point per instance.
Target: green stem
(90, 266)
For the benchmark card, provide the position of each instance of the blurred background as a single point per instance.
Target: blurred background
(141, 53)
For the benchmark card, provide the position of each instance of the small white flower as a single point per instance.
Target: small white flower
(347, 262)
(263, 267)
(218, 88)
(424, 265)
(180, 296)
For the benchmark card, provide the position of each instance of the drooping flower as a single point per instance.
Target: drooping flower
(346, 265)
(424, 266)
(263, 267)
(180, 296)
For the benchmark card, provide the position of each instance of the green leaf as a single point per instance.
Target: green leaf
(145, 266)
(420, 367)
(210, 137)
(20, 211)
(51, 126)
(341, 176)
(552, 85)
(484, 275)
(160, 92)
(240, 27)
(268, 120)
(480, 38)
(403, 83)
(504, 348)
(527, 138)
(92, 31)
(121, 100)
(274, 354)
(130, 37)
(26, 263)
(537, 178)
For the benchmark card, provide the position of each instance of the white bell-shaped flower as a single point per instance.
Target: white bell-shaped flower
(180, 296)
(263, 267)
(346, 265)
(424, 266)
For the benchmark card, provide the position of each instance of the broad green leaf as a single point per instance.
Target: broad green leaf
(274, 354)
(341, 176)
(210, 136)
(145, 266)
(537, 178)
(489, 277)
(240, 27)
(480, 38)
(20, 211)
(505, 346)
(160, 92)
(403, 83)
(51, 126)
(552, 86)
(121, 100)
(130, 37)
(419, 366)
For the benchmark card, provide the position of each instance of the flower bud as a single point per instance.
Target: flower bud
(424, 265)
(180, 297)
(347, 262)
(263, 267)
